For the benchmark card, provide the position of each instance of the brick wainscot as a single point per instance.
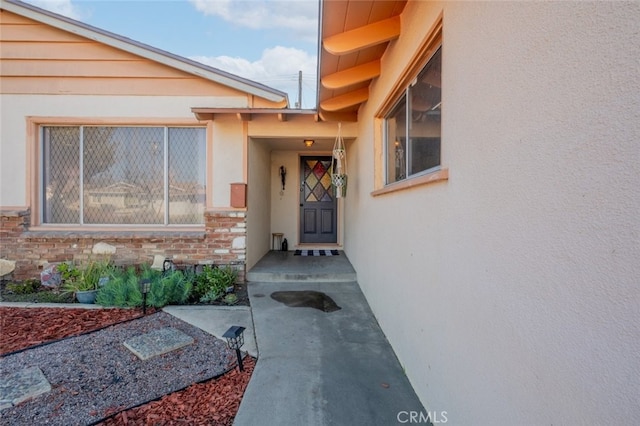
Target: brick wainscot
(222, 242)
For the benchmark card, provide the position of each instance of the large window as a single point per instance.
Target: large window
(103, 175)
(412, 127)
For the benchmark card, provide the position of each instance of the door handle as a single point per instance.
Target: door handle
(300, 205)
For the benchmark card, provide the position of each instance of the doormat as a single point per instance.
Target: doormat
(316, 253)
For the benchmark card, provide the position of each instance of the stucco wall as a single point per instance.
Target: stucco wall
(511, 291)
(228, 161)
(258, 202)
(284, 204)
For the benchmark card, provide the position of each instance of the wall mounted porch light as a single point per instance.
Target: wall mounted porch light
(235, 340)
(309, 143)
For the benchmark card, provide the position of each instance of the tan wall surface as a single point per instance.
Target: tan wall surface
(285, 204)
(259, 197)
(510, 291)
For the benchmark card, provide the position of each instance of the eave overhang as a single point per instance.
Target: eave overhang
(247, 114)
(354, 36)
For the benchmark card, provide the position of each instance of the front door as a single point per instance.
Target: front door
(317, 202)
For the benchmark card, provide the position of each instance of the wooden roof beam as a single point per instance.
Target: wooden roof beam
(203, 116)
(345, 117)
(243, 116)
(363, 37)
(345, 101)
(352, 76)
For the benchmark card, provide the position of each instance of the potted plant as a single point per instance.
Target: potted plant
(84, 281)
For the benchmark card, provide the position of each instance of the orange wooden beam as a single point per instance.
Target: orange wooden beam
(346, 100)
(344, 117)
(352, 76)
(363, 37)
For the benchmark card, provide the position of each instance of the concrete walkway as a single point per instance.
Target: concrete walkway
(322, 368)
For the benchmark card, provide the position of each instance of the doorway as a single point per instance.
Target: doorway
(318, 205)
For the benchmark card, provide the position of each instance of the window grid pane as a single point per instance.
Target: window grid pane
(124, 175)
(61, 181)
(124, 169)
(187, 174)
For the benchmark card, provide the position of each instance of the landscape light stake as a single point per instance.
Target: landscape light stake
(145, 286)
(235, 340)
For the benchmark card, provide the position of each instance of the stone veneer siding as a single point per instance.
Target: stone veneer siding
(223, 242)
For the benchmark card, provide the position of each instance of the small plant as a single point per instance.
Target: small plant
(68, 272)
(230, 299)
(94, 271)
(173, 288)
(213, 282)
(122, 290)
(86, 277)
(26, 287)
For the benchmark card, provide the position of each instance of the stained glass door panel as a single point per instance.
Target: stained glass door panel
(317, 201)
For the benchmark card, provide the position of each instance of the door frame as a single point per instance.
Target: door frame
(335, 201)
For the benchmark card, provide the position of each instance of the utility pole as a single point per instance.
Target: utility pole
(300, 89)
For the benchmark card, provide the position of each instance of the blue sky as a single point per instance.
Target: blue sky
(268, 41)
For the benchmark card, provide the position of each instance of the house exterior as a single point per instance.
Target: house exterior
(157, 178)
(492, 209)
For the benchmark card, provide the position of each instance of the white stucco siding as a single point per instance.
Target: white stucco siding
(511, 291)
(285, 204)
(259, 198)
(228, 162)
(15, 110)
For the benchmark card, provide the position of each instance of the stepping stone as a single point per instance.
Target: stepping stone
(22, 385)
(158, 342)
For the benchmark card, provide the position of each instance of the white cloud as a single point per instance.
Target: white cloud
(278, 68)
(61, 7)
(301, 16)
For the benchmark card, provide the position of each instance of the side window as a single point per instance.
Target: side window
(412, 127)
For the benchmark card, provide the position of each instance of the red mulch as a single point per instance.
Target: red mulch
(214, 402)
(24, 327)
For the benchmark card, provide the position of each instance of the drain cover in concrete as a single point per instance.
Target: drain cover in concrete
(22, 385)
(157, 342)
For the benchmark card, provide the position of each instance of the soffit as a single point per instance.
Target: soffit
(354, 36)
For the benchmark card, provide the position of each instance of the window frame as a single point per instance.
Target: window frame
(35, 166)
(405, 101)
(424, 53)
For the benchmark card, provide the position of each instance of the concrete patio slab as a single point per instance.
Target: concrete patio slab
(22, 385)
(279, 266)
(157, 342)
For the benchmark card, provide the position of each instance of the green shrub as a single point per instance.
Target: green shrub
(26, 287)
(212, 283)
(122, 290)
(178, 287)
